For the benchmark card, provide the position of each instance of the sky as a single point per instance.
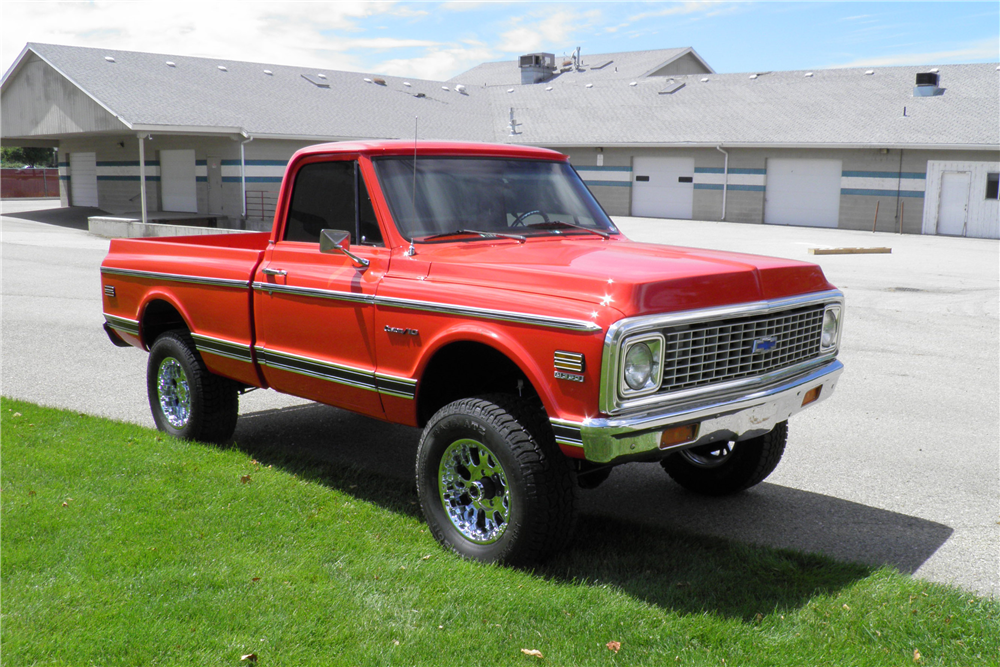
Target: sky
(440, 40)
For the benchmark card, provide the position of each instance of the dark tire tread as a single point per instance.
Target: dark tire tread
(549, 481)
(214, 399)
(750, 463)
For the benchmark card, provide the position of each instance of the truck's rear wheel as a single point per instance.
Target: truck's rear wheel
(492, 483)
(186, 399)
(724, 468)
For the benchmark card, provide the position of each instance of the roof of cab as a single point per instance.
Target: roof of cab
(428, 148)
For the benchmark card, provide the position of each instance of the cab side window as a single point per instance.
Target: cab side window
(331, 195)
(323, 198)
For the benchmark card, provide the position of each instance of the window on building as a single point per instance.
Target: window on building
(993, 186)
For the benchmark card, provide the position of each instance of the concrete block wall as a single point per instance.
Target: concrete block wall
(894, 181)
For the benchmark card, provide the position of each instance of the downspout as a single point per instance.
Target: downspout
(142, 174)
(243, 172)
(725, 180)
(899, 187)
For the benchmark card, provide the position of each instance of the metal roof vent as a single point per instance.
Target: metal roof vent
(705, 80)
(367, 80)
(405, 83)
(420, 95)
(589, 85)
(380, 82)
(460, 88)
(510, 90)
(316, 81)
(869, 72)
(633, 83)
(222, 68)
(170, 63)
(268, 72)
(109, 59)
(322, 76)
(536, 67)
(672, 87)
(753, 76)
(927, 85)
(808, 75)
(446, 88)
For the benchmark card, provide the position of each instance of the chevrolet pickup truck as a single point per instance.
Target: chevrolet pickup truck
(479, 292)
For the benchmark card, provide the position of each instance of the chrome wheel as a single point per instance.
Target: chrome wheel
(174, 393)
(474, 492)
(708, 456)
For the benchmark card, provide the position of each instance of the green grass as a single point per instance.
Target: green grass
(123, 546)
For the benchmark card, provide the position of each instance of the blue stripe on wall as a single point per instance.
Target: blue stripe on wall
(126, 178)
(127, 163)
(252, 179)
(880, 193)
(733, 170)
(884, 174)
(201, 179)
(608, 184)
(64, 178)
(732, 187)
(595, 168)
(201, 163)
(256, 163)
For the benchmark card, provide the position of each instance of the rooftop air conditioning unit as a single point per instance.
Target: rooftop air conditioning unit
(927, 85)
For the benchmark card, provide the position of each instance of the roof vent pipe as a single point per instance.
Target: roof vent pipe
(725, 180)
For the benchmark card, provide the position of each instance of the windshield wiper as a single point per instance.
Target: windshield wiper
(559, 223)
(485, 235)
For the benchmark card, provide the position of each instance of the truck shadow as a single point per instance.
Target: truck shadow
(767, 549)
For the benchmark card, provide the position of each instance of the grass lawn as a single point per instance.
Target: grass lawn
(123, 546)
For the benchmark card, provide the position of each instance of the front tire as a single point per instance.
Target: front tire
(186, 399)
(722, 469)
(492, 483)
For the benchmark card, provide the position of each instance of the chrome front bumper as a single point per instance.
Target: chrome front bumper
(605, 440)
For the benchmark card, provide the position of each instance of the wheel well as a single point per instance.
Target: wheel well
(464, 370)
(158, 318)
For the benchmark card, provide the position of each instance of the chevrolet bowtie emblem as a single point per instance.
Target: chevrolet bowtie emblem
(764, 344)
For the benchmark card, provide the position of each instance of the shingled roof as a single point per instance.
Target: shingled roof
(592, 106)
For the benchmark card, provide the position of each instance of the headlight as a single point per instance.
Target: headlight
(831, 329)
(642, 365)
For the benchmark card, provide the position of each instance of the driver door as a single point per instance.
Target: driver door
(315, 311)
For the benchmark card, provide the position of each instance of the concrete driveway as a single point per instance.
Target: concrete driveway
(900, 467)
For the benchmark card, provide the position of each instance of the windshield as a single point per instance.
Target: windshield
(476, 195)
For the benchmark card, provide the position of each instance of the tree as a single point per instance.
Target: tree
(12, 157)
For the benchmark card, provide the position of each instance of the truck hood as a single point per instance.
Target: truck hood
(634, 278)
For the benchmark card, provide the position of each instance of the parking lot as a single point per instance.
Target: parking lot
(899, 467)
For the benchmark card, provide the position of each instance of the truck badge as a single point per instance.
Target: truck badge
(764, 344)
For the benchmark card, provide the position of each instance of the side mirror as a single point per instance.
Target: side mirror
(338, 240)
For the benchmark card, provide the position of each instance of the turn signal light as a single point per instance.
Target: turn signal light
(811, 395)
(678, 435)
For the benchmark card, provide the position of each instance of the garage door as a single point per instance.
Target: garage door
(83, 179)
(663, 187)
(802, 192)
(177, 181)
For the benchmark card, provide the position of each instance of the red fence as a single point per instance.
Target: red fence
(29, 183)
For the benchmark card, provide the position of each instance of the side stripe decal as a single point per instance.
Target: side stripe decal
(567, 433)
(346, 375)
(123, 324)
(222, 348)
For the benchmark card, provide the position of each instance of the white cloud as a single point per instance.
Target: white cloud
(543, 33)
(985, 50)
(437, 64)
(295, 34)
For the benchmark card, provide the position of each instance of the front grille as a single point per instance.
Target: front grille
(722, 350)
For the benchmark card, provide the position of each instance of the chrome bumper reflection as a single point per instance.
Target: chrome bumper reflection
(735, 418)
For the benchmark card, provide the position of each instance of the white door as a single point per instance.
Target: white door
(953, 209)
(83, 179)
(663, 187)
(802, 192)
(177, 181)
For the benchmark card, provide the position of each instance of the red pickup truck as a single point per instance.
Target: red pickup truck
(481, 293)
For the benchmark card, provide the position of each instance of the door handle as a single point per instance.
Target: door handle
(274, 272)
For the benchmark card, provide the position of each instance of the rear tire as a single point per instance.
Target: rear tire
(186, 399)
(722, 469)
(492, 482)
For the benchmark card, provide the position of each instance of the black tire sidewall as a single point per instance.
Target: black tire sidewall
(171, 346)
(441, 433)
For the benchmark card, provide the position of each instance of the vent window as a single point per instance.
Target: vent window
(993, 186)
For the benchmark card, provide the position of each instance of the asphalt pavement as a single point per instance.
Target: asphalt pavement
(900, 467)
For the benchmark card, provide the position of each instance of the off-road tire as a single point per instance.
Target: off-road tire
(212, 401)
(748, 464)
(540, 481)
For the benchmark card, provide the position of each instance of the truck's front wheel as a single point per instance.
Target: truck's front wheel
(492, 483)
(724, 468)
(186, 399)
